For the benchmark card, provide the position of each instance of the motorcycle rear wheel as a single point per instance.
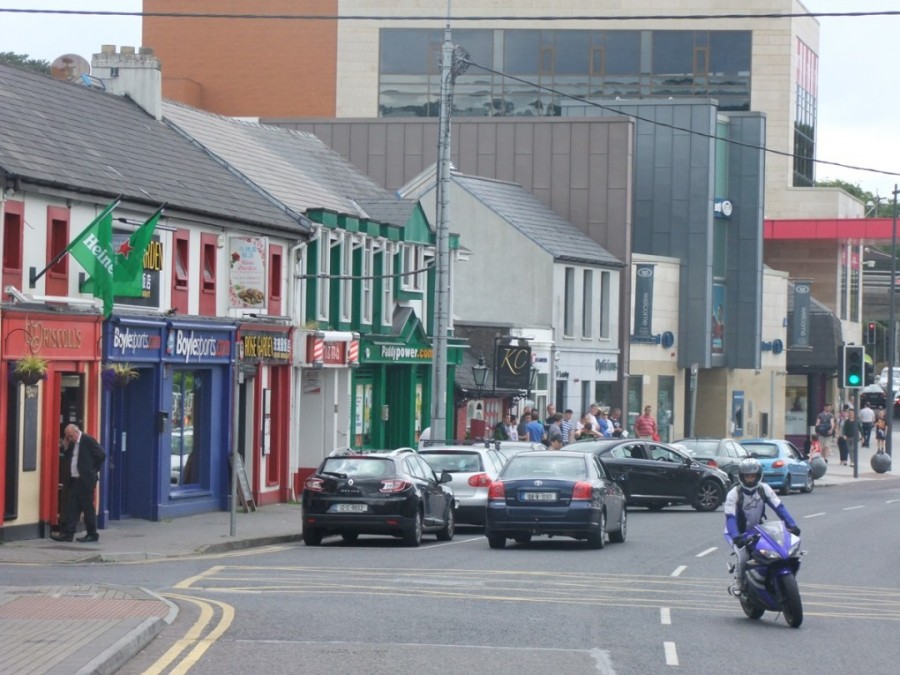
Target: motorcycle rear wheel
(752, 610)
(791, 606)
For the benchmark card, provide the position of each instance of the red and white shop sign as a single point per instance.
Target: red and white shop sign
(322, 351)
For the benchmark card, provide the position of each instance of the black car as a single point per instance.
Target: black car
(393, 493)
(721, 453)
(555, 493)
(656, 475)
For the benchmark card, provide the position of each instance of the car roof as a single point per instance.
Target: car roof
(550, 453)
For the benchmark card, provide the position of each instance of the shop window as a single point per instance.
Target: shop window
(13, 226)
(180, 270)
(57, 280)
(209, 248)
(275, 258)
(190, 458)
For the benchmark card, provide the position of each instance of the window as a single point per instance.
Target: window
(413, 259)
(209, 266)
(275, 258)
(347, 246)
(805, 115)
(587, 304)
(189, 454)
(569, 302)
(13, 226)
(387, 288)
(209, 247)
(57, 280)
(323, 281)
(180, 270)
(605, 283)
(367, 283)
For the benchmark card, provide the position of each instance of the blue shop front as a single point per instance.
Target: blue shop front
(167, 430)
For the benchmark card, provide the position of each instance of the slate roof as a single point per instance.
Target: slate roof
(295, 167)
(535, 220)
(68, 136)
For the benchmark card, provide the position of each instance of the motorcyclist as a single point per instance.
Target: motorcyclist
(745, 507)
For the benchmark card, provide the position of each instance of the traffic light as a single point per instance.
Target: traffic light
(870, 333)
(854, 366)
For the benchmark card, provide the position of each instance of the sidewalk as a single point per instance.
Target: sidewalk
(96, 628)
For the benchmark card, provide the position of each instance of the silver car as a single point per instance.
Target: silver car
(473, 468)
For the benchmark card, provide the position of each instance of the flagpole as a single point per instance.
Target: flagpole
(33, 278)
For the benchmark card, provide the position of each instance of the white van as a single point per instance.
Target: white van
(882, 381)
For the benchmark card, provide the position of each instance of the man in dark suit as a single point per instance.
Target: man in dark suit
(84, 456)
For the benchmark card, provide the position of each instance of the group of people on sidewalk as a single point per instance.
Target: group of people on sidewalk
(597, 422)
(847, 429)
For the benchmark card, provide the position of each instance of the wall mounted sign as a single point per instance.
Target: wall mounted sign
(512, 366)
(247, 258)
(643, 302)
(801, 320)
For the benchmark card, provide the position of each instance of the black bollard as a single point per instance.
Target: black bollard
(881, 462)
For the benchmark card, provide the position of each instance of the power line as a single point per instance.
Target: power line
(674, 127)
(428, 17)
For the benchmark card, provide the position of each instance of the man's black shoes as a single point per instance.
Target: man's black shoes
(89, 538)
(62, 537)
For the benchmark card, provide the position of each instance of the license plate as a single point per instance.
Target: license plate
(350, 508)
(538, 496)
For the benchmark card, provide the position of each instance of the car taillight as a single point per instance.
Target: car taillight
(480, 480)
(497, 490)
(582, 490)
(778, 463)
(394, 485)
(712, 463)
(314, 484)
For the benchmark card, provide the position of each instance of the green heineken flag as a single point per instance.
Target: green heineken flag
(93, 249)
(128, 261)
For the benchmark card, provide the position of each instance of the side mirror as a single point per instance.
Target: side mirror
(446, 476)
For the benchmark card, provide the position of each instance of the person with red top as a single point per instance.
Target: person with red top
(645, 426)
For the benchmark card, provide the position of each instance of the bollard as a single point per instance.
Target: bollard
(881, 462)
(818, 467)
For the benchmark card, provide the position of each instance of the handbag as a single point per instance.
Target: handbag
(655, 437)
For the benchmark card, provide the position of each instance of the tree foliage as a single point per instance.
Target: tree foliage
(876, 206)
(13, 59)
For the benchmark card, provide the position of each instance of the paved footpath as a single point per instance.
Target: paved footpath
(98, 628)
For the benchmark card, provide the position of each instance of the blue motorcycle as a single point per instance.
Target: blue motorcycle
(770, 575)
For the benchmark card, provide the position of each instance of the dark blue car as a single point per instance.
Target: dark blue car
(555, 493)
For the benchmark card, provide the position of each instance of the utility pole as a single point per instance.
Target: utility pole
(892, 332)
(450, 68)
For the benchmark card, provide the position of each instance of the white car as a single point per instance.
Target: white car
(883, 380)
(473, 468)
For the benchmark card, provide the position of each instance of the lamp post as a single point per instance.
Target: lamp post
(892, 331)
(479, 374)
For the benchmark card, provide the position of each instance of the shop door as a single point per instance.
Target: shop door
(71, 411)
(133, 449)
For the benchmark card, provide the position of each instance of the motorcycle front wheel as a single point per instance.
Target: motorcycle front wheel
(791, 606)
(752, 610)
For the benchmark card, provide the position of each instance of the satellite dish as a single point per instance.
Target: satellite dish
(69, 67)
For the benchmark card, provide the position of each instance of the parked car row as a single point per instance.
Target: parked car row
(520, 490)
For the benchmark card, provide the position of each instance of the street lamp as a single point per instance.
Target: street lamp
(479, 373)
(889, 397)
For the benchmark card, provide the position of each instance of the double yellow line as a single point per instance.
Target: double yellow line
(194, 639)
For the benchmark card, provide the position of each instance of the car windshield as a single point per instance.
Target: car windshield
(529, 466)
(454, 462)
(358, 467)
(762, 449)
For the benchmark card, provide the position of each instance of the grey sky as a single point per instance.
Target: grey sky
(858, 98)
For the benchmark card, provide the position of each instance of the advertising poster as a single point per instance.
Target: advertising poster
(247, 272)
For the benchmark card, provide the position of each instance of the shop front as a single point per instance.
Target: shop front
(195, 417)
(263, 409)
(61, 387)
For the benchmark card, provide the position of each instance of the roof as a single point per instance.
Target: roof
(68, 136)
(294, 167)
(536, 221)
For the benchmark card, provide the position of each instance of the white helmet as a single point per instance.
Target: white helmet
(749, 473)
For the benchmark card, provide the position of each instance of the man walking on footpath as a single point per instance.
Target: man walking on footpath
(84, 457)
(866, 422)
(645, 425)
(825, 429)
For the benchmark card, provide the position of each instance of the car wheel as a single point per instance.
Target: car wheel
(522, 538)
(413, 536)
(446, 534)
(655, 507)
(786, 486)
(597, 539)
(350, 537)
(709, 496)
(496, 540)
(810, 483)
(312, 536)
(619, 535)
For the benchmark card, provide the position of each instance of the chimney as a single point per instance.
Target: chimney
(136, 75)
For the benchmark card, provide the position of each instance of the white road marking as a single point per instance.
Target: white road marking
(707, 551)
(671, 654)
(678, 571)
(815, 515)
(665, 616)
(853, 508)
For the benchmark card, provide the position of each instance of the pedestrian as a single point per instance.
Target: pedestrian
(501, 430)
(880, 430)
(586, 431)
(815, 448)
(84, 457)
(535, 431)
(850, 436)
(548, 420)
(825, 429)
(523, 425)
(567, 426)
(606, 427)
(615, 417)
(512, 429)
(593, 413)
(554, 435)
(645, 425)
(867, 423)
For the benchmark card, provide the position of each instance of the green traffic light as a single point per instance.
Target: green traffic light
(854, 380)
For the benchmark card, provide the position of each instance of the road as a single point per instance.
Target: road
(651, 605)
